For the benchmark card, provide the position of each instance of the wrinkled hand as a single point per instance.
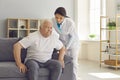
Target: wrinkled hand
(62, 63)
(22, 68)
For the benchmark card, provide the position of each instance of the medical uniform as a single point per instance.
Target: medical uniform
(69, 37)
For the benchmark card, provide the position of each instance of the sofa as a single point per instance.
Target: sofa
(9, 70)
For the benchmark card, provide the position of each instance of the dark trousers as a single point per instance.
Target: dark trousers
(53, 66)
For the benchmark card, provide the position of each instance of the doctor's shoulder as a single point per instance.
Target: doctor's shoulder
(69, 21)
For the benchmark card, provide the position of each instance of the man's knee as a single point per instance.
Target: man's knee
(55, 64)
(32, 64)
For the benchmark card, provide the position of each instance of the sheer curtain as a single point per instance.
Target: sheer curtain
(97, 8)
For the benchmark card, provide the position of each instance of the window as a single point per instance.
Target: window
(97, 8)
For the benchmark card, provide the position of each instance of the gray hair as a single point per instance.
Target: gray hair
(44, 21)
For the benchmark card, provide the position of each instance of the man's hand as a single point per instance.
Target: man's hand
(22, 67)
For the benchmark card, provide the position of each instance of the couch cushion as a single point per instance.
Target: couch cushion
(9, 69)
(6, 49)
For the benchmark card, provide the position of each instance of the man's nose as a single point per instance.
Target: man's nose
(50, 29)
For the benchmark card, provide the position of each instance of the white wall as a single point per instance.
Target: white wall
(111, 8)
(31, 9)
(90, 50)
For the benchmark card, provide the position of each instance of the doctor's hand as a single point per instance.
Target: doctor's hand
(66, 50)
(22, 67)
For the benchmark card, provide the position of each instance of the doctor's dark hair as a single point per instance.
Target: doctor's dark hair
(61, 11)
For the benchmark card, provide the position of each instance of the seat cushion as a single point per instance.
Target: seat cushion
(9, 69)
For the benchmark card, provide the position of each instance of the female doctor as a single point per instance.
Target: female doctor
(65, 27)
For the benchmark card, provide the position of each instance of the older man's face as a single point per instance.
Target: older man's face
(47, 29)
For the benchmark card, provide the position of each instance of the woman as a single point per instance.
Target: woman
(65, 27)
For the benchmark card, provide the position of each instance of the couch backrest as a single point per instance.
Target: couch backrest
(6, 49)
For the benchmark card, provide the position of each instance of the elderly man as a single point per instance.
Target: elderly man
(40, 45)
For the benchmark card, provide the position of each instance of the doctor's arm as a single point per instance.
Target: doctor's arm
(70, 40)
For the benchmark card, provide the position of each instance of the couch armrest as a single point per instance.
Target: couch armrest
(67, 58)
